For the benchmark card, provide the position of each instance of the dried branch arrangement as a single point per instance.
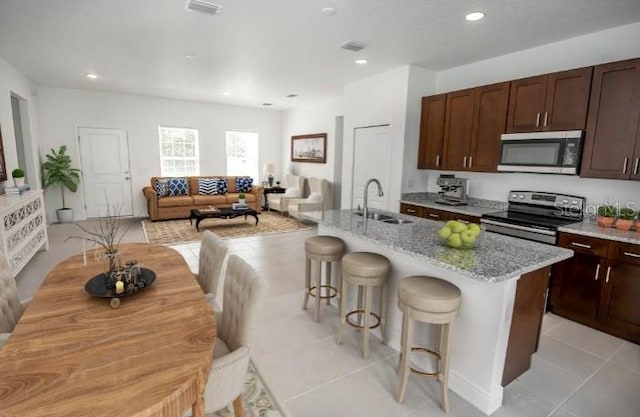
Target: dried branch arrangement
(107, 233)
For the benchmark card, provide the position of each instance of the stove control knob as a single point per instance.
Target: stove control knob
(565, 201)
(574, 202)
(514, 195)
(521, 196)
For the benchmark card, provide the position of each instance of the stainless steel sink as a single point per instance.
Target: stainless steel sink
(374, 216)
(397, 221)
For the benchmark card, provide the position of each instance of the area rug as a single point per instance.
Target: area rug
(170, 232)
(258, 401)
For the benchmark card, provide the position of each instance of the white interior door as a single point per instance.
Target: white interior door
(371, 159)
(104, 155)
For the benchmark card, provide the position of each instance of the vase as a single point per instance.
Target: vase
(111, 262)
(605, 221)
(19, 182)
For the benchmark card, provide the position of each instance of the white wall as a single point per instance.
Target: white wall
(318, 117)
(377, 100)
(11, 81)
(596, 48)
(62, 111)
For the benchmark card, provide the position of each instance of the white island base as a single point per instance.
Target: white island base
(485, 352)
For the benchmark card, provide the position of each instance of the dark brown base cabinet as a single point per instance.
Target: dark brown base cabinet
(436, 214)
(600, 286)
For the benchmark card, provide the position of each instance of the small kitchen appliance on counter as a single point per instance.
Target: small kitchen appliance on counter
(535, 215)
(453, 191)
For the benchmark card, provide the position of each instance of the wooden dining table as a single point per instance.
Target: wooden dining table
(72, 354)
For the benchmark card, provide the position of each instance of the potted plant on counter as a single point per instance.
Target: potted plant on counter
(18, 177)
(57, 171)
(625, 218)
(606, 215)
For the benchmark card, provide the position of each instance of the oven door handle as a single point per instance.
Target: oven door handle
(515, 226)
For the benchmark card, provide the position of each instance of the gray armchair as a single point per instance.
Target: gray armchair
(318, 200)
(244, 291)
(294, 189)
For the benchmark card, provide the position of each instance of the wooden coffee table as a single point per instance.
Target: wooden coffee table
(221, 213)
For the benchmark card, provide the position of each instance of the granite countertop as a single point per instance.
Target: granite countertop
(496, 258)
(590, 228)
(475, 206)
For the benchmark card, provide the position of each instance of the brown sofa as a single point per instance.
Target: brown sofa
(179, 207)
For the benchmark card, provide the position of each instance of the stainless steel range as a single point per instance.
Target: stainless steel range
(535, 215)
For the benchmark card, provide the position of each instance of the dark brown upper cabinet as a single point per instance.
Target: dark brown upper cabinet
(475, 120)
(612, 144)
(432, 132)
(556, 101)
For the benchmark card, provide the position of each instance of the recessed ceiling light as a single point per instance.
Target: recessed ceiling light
(92, 76)
(226, 93)
(190, 56)
(267, 104)
(329, 11)
(474, 16)
(361, 61)
(292, 95)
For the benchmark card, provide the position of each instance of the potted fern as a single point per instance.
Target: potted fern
(18, 177)
(57, 172)
(606, 215)
(625, 218)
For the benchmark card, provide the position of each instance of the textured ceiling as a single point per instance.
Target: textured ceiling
(260, 51)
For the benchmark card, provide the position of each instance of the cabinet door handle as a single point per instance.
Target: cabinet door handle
(597, 272)
(606, 281)
(411, 211)
(464, 162)
(437, 160)
(624, 166)
(537, 119)
(470, 161)
(546, 116)
(434, 215)
(635, 168)
(581, 245)
(633, 255)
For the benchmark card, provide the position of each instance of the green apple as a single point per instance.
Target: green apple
(454, 240)
(457, 227)
(450, 223)
(474, 227)
(468, 237)
(444, 233)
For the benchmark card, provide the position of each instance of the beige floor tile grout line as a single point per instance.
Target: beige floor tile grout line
(586, 351)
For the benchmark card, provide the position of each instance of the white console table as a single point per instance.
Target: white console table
(23, 229)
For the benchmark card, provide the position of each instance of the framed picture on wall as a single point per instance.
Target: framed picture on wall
(3, 169)
(309, 148)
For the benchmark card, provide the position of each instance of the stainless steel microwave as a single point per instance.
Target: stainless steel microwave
(541, 152)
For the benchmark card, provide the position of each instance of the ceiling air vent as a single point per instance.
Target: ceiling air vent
(353, 46)
(203, 6)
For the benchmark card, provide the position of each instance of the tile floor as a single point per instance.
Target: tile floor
(577, 372)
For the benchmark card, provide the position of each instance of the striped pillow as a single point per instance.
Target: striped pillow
(208, 186)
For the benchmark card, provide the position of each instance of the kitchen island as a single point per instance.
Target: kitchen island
(503, 282)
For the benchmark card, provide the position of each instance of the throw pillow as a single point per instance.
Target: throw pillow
(178, 186)
(243, 185)
(162, 187)
(222, 186)
(292, 192)
(314, 198)
(208, 186)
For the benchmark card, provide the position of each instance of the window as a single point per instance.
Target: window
(242, 154)
(178, 152)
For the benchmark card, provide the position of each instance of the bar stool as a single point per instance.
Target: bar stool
(428, 300)
(321, 249)
(366, 270)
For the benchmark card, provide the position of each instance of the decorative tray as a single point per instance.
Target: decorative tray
(98, 285)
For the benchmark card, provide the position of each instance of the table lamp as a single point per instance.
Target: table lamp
(270, 169)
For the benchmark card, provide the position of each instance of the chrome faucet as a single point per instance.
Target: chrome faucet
(365, 208)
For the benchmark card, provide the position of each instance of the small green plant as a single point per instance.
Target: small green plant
(607, 211)
(17, 173)
(242, 196)
(57, 171)
(627, 213)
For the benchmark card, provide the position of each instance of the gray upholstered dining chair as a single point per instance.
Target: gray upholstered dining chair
(213, 252)
(244, 290)
(11, 308)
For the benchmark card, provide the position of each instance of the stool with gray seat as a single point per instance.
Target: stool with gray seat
(428, 300)
(367, 271)
(319, 249)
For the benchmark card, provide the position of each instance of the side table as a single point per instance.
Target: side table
(270, 190)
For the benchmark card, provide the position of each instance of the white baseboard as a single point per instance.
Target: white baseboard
(487, 402)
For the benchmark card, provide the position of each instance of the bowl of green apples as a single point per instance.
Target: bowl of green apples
(460, 235)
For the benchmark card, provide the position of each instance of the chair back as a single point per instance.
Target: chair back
(10, 306)
(320, 192)
(244, 291)
(213, 252)
(295, 186)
